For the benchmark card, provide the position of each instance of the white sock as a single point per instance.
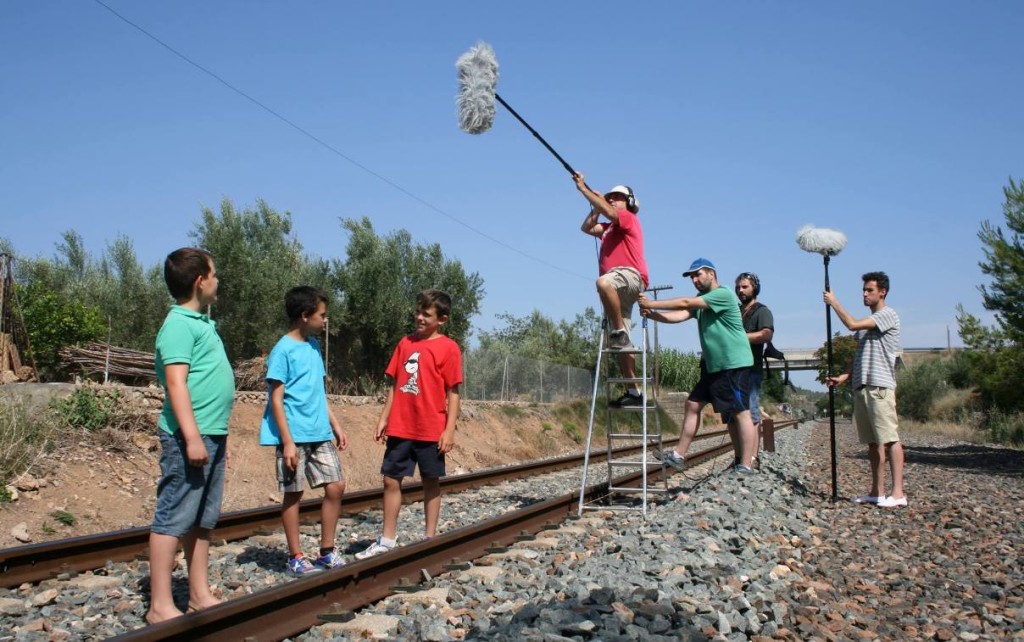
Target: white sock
(390, 543)
(633, 393)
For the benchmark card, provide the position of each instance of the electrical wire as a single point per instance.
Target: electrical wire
(331, 148)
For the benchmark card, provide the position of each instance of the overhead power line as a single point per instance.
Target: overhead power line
(330, 147)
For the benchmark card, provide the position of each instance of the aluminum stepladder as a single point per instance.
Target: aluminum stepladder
(628, 426)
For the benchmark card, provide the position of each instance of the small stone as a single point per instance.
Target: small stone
(44, 598)
(20, 533)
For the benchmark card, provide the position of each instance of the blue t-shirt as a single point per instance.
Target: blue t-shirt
(299, 366)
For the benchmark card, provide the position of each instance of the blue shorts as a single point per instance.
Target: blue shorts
(403, 455)
(755, 379)
(188, 496)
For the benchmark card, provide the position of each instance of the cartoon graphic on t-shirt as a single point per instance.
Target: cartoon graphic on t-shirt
(412, 366)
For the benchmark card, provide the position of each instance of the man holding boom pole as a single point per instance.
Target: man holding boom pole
(622, 266)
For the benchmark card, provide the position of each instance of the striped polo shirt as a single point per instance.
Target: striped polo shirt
(877, 349)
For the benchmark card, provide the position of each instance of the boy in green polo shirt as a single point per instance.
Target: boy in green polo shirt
(199, 391)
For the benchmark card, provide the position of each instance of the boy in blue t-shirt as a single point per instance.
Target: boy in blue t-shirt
(299, 422)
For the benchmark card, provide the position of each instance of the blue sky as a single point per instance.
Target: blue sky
(735, 122)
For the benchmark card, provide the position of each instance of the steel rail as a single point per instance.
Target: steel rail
(335, 594)
(36, 562)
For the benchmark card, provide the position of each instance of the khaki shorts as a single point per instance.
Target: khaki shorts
(874, 412)
(629, 285)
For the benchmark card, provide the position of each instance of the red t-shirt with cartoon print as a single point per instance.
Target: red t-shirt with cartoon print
(424, 370)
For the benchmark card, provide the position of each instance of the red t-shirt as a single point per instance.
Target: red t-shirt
(424, 370)
(622, 245)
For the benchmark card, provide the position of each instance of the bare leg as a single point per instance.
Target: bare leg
(627, 363)
(877, 457)
(611, 303)
(895, 453)
(162, 549)
(197, 554)
(691, 423)
(290, 521)
(330, 511)
(392, 505)
(746, 438)
(734, 438)
(431, 505)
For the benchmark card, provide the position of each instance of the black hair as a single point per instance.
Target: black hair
(181, 269)
(302, 301)
(754, 281)
(880, 278)
(437, 299)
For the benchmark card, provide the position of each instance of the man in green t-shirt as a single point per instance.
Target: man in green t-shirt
(726, 361)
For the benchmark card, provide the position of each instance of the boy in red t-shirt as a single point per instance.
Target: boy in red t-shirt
(418, 420)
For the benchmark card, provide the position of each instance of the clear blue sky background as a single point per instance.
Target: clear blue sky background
(735, 122)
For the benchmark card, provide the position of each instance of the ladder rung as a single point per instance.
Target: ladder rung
(624, 379)
(652, 462)
(633, 489)
(633, 350)
(651, 405)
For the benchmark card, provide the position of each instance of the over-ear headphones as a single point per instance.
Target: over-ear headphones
(632, 204)
(754, 281)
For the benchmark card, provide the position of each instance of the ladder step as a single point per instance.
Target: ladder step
(634, 489)
(624, 379)
(633, 350)
(652, 404)
(651, 462)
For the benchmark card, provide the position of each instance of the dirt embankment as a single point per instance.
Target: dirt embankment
(106, 481)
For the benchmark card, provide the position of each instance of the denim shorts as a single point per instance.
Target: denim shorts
(188, 496)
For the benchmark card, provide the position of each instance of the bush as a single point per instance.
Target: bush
(678, 370)
(1006, 428)
(920, 386)
(23, 436)
(86, 408)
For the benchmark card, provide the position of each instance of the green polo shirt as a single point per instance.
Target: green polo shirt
(191, 338)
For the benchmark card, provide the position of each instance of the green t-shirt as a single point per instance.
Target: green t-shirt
(191, 338)
(723, 340)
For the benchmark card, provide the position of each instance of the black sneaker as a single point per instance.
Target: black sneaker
(619, 340)
(627, 401)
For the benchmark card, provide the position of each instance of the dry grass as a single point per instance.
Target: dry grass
(944, 428)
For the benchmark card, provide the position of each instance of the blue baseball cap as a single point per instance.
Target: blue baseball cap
(698, 264)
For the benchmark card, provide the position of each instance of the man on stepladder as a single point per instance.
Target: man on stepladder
(622, 268)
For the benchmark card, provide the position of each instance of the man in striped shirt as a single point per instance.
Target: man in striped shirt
(873, 377)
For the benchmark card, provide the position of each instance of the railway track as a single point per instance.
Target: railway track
(333, 594)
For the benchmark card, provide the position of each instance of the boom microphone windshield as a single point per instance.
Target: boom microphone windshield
(478, 77)
(478, 81)
(820, 240)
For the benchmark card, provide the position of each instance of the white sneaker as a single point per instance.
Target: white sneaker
(892, 502)
(373, 549)
(867, 499)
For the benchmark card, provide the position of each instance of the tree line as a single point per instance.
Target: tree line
(74, 297)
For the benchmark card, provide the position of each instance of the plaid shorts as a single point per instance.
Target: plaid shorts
(318, 461)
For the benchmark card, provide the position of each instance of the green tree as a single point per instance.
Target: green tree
(379, 281)
(844, 349)
(995, 359)
(258, 259)
(1004, 263)
(54, 320)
